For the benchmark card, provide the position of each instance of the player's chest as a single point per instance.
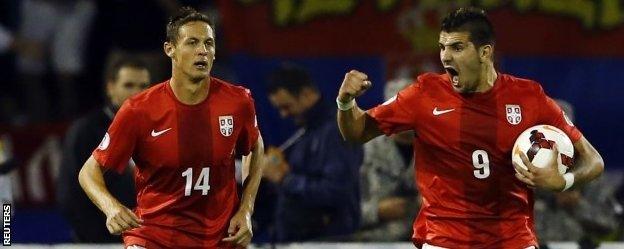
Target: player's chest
(487, 123)
(181, 137)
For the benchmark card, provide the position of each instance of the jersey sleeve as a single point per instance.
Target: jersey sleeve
(250, 132)
(118, 144)
(395, 114)
(552, 114)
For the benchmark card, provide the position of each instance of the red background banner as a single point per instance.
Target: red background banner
(349, 27)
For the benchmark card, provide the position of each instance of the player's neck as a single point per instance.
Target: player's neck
(487, 79)
(189, 92)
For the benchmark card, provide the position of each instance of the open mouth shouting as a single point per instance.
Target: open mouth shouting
(453, 75)
(201, 65)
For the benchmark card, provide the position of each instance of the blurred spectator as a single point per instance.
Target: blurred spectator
(7, 100)
(618, 204)
(6, 40)
(56, 30)
(124, 78)
(389, 196)
(318, 175)
(587, 215)
(9, 43)
(7, 163)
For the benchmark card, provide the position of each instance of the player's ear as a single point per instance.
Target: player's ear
(169, 49)
(485, 52)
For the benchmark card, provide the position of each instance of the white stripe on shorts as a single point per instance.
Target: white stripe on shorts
(135, 247)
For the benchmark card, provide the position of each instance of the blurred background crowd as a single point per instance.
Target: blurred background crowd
(67, 65)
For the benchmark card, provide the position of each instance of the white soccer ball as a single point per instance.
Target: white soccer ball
(537, 143)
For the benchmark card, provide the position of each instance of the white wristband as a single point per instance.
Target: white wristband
(569, 181)
(345, 106)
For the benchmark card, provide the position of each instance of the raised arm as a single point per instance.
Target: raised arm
(118, 217)
(355, 125)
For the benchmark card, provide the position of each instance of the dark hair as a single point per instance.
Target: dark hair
(290, 78)
(185, 15)
(112, 69)
(472, 20)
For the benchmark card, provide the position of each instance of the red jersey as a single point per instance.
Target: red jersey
(184, 155)
(470, 196)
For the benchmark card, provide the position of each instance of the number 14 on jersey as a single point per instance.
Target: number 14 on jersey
(202, 182)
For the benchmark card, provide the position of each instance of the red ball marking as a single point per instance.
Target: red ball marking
(538, 141)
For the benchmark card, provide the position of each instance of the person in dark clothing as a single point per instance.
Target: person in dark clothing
(318, 175)
(7, 164)
(124, 78)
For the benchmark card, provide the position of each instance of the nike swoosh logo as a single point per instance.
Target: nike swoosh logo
(158, 133)
(437, 112)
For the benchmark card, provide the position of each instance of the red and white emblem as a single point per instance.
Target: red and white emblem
(226, 125)
(514, 114)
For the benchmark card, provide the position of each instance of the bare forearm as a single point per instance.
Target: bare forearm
(586, 170)
(588, 165)
(352, 123)
(254, 162)
(92, 182)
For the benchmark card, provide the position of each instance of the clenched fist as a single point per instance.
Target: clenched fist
(354, 84)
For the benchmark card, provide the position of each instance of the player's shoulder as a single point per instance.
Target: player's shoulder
(233, 90)
(429, 80)
(150, 94)
(430, 77)
(521, 84)
(154, 93)
(429, 83)
(148, 98)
